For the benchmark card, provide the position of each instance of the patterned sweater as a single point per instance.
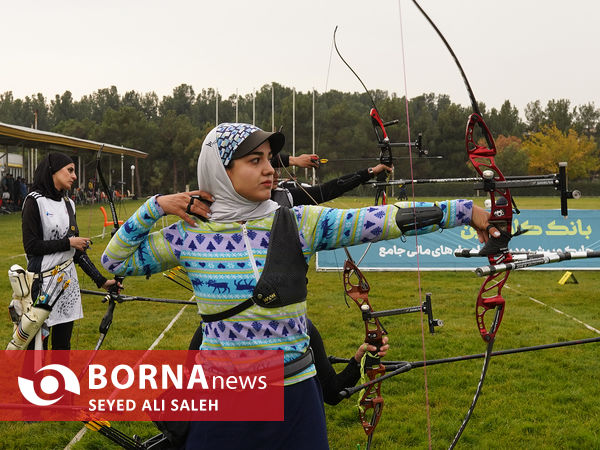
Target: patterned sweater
(224, 260)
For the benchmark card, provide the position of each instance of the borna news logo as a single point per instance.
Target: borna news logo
(133, 385)
(49, 385)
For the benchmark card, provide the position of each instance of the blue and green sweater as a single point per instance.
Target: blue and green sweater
(223, 271)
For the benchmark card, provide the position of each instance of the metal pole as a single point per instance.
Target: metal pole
(272, 106)
(294, 125)
(216, 107)
(122, 176)
(313, 135)
(35, 151)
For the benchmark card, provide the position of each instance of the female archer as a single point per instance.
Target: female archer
(252, 250)
(51, 239)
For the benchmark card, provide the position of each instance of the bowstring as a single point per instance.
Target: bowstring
(331, 49)
(285, 169)
(91, 207)
(93, 198)
(420, 290)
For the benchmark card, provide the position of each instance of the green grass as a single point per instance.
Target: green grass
(544, 399)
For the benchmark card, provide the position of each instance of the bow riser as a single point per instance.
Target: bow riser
(385, 153)
(371, 402)
(483, 161)
(359, 292)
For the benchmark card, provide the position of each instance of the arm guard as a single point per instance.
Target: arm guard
(89, 268)
(409, 219)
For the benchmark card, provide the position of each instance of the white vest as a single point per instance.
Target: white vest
(55, 225)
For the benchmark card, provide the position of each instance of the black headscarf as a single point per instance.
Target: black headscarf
(42, 178)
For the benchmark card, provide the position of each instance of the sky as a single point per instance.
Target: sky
(520, 50)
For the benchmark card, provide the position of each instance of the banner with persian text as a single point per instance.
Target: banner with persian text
(547, 230)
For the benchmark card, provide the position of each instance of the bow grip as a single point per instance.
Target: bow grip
(373, 337)
(483, 306)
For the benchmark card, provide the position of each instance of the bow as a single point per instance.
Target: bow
(373, 371)
(370, 403)
(113, 291)
(496, 249)
(493, 181)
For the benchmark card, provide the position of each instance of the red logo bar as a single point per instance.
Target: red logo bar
(136, 385)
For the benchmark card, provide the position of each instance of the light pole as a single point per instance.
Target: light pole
(132, 181)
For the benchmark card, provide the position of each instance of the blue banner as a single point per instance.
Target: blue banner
(547, 230)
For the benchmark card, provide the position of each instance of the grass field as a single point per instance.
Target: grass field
(544, 399)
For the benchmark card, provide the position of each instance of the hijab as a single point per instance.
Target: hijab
(42, 177)
(224, 143)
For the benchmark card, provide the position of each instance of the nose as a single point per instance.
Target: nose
(269, 168)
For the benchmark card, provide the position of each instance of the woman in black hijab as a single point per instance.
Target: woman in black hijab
(51, 239)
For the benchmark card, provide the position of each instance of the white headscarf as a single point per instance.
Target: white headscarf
(229, 206)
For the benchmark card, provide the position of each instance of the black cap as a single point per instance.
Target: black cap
(252, 142)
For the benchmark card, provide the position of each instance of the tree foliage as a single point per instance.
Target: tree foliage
(171, 129)
(511, 156)
(550, 146)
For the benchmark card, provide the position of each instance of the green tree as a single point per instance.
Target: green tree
(451, 143)
(181, 102)
(83, 129)
(103, 100)
(146, 103)
(22, 112)
(587, 118)
(203, 109)
(36, 104)
(130, 128)
(535, 116)
(506, 121)
(62, 107)
(510, 156)
(560, 113)
(175, 137)
(7, 107)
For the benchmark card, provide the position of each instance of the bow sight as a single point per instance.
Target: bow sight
(489, 184)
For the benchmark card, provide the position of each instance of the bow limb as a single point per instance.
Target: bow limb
(474, 104)
(383, 141)
(114, 290)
